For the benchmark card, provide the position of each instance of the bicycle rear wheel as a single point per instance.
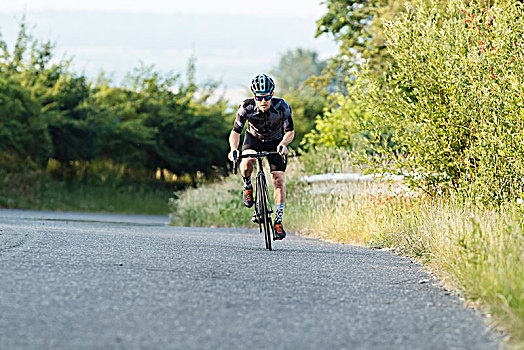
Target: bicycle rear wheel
(264, 211)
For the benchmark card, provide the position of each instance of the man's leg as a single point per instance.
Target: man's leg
(246, 168)
(279, 182)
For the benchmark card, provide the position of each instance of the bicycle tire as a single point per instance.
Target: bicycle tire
(269, 211)
(257, 210)
(265, 215)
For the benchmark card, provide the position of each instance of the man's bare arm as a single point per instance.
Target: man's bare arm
(286, 140)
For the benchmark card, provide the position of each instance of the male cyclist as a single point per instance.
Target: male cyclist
(269, 128)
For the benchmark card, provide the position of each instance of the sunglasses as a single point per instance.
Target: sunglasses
(264, 97)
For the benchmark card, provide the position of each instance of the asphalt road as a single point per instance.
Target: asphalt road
(89, 281)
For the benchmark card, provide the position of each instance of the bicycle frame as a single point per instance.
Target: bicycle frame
(263, 206)
(261, 176)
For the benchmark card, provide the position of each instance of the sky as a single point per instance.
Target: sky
(232, 40)
(301, 8)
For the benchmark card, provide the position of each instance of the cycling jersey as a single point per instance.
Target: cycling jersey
(266, 126)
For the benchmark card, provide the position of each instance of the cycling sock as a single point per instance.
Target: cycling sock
(279, 212)
(247, 182)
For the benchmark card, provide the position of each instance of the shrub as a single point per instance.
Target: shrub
(454, 98)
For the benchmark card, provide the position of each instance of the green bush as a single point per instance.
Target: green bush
(24, 138)
(339, 127)
(455, 99)
(47, 112)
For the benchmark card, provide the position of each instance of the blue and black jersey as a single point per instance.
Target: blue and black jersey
(266, 126)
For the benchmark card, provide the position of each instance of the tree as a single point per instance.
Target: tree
(291, 74)
(356, 25)
(24, 137)
(25, 140)
(295, 67)
(156, 122)
(152, 122)
(454, 99)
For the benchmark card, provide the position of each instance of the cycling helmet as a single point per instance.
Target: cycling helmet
(262, 85)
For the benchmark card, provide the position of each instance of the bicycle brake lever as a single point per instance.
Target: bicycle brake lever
(235, 157)
(282, 155)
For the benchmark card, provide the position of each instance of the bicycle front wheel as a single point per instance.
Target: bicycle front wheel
(266, 225)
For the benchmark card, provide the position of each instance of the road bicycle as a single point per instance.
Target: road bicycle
(263, 207)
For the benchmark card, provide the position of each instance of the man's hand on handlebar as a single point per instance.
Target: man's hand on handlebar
(233, 155)
(282, 149)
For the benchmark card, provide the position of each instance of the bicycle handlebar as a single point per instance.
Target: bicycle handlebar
(253, 155)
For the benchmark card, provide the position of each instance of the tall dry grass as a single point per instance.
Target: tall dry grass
(475, 250)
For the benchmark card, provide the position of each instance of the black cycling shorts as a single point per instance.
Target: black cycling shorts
(275, 160)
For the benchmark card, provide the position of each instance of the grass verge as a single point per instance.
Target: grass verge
(42, 192)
